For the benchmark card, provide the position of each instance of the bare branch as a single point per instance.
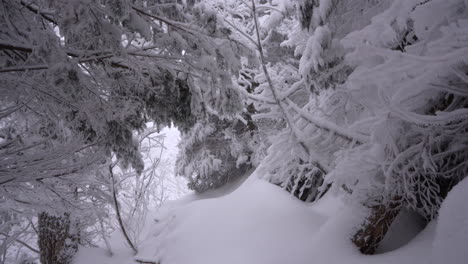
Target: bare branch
(119, 216)
(19, 241)
(35, 9)
(241, 32)
(146, 261)
(173, 24)
(18, 47)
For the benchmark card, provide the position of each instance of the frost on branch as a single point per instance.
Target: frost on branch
(215, 152)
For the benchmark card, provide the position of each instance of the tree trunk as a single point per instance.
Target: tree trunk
(58, 238)
(305, 187)
(306, 180)
(375, 227)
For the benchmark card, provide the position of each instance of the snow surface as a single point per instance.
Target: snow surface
(259, 223)
(405, 227)
(450, 242)
(122, 254)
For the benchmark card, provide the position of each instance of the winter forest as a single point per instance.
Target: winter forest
(233, 131)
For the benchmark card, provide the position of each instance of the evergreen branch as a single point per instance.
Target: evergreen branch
(272, 87)
(323, 124)
(84, 56)
(45, 66)
(328, 126)
(242, 33)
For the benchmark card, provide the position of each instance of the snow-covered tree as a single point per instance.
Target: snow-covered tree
(215, 152)
(383, 104)
(365, 98)
(219, 148)
(371, 101)
(98, 72)
(79, 78)
(415, 106)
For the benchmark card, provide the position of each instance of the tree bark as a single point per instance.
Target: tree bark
(305, 184)
(373, 230)
(58, 238)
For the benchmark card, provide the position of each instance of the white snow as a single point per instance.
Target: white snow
(402, 230)
(260, 223)
(122, 254)
(241, 227)
(450, 242)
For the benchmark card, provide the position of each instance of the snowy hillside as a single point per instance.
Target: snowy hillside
(261, 224)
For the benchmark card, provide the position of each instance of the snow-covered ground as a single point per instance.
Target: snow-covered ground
(259, 223)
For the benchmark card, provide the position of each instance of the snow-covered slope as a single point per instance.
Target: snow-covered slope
(259, 223)
(450, 244)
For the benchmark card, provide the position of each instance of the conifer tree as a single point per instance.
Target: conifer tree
(80, 78)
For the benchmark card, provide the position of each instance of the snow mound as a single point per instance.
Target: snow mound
(121, 253)
(258, 223)
(88, 255)
(450, 243)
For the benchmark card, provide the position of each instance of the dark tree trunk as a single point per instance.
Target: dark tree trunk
(306, 180)
(373, 230)
(305, 187)
(58, 238)
(376, 225)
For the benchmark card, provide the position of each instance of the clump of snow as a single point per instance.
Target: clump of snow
(312, 55)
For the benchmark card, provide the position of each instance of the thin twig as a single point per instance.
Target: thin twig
(168, 22)
(119, 216)
(242, 33)
(146, 261)
(35, 9)
(16, 239)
